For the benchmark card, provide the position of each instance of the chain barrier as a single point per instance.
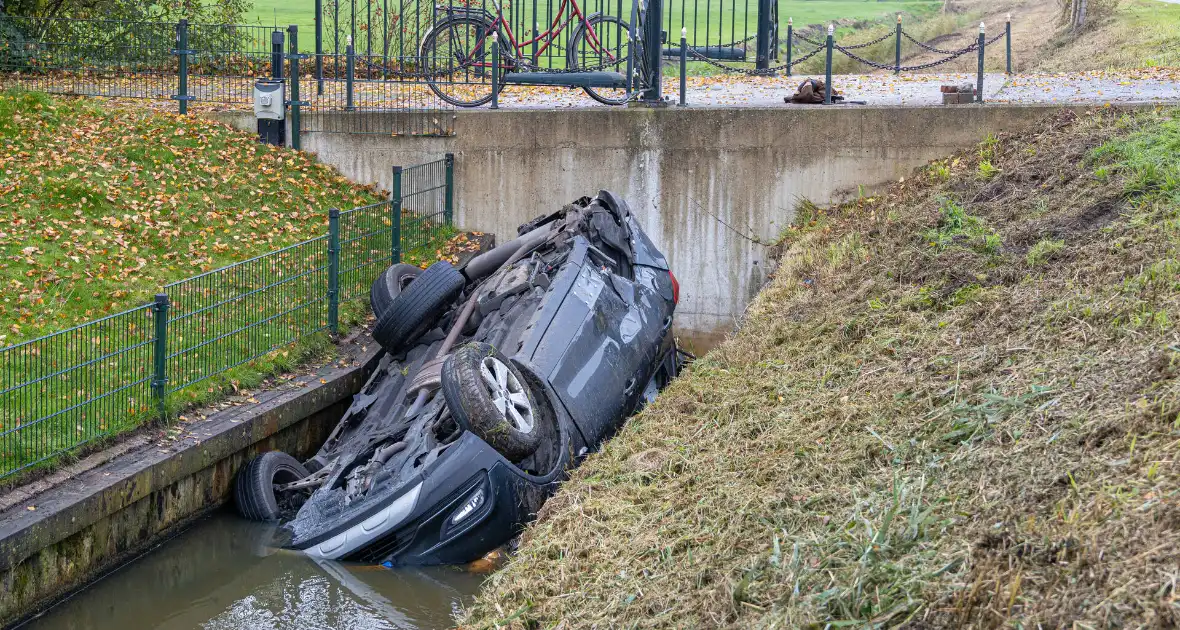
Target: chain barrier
(929, 47)
(872, 43)
(953, 54)
(764, 72)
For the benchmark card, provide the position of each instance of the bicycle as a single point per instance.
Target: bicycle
(459, 45)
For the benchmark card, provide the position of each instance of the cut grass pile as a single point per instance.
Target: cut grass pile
(956, 405)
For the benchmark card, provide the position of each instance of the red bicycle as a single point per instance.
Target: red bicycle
(457, 60)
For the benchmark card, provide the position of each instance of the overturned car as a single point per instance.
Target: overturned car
(496, 378)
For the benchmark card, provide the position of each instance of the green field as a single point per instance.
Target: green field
(728, 19)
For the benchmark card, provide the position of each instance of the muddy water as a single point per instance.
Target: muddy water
(222, 575)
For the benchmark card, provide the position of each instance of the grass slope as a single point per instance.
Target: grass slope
(1130, 34)
(955, 405)
(101, 205)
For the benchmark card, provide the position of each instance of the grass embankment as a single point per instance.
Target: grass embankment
(955, 405)
(1125, 34)
(101, 205)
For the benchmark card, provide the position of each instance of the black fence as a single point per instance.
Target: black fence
(400, 67)
(218, 65)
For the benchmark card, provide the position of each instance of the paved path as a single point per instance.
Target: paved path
(887, 89)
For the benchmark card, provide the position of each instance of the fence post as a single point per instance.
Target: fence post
(632, 25)
(276, 54)
(1008, 42)
(334, 270)
(979, 78)
(160, 354)
(683, 64)
(897, 47)
(790, 42)
(496, 70)
(182, 70)
(449, 205)
(762, 62)
(319, 47)
(349, 70)
(293, 31)
(654, 47)
(395, 217)
(828, 66)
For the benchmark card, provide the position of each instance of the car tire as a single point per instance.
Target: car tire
(389, 285)
(418, 307)
(254, 493)
(488, 396)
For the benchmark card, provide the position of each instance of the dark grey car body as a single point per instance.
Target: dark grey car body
(586, 317)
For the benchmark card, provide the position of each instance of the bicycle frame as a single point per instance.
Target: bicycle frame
(544, 39)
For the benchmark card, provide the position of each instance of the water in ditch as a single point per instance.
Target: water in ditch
(221, 575)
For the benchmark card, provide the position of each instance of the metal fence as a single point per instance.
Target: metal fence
(67, 389)
(399, 67)
(217, 64)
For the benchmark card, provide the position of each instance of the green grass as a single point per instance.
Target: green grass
(1136, 34)
(300, 13)
(721, 23)
(104, 205)
(981, 434)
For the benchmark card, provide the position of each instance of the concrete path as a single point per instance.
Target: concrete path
(886, 89)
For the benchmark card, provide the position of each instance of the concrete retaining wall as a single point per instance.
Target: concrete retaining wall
(706, 183)
(90, 523)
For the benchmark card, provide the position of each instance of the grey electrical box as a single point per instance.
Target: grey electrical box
(270, 99)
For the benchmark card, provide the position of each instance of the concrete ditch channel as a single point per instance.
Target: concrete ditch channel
(713, 187)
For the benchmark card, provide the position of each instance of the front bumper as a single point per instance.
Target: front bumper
(470, 501)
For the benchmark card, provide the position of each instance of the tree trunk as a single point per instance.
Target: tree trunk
(1081, 13)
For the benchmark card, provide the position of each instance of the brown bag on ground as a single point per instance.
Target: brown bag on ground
(811, 92)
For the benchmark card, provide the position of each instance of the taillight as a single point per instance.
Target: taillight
(675, 288)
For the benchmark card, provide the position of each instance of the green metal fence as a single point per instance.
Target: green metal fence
(69, 388)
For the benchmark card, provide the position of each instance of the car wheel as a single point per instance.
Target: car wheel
(254, 489)
(389, 285)
(418, 307)
(488, 396)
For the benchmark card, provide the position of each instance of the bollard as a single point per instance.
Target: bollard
(349, 70)
(1008, 38)
(979, 78)
(828, 69)
(897, 47)
(495, 70)
(790, 42)
(160, 355)
(683, 64)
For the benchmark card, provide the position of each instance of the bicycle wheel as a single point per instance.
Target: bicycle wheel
(603, 46)
(457, 61)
